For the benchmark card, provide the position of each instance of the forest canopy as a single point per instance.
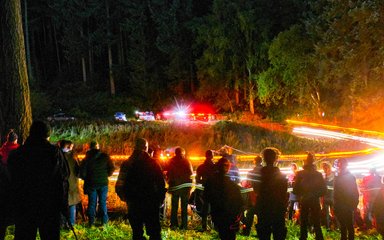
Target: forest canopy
(280, 58)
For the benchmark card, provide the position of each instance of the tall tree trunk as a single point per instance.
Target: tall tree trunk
(83, 64)
(15, 110)
(110, 63)
(27, 47)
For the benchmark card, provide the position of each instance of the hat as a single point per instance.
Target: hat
(39, 129)
(12, 136)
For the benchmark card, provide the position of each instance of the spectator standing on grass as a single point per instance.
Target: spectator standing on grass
(179, 176)
(39, 176)
(346, 198)
(253, 177)
(271, 204)
(327, 199)
(6, 208)
(378, 210)
(95, 170)
(293, 199)
(74, 169)
(234, 172)
(225, 199)
(370, 187)
(309, 187)
(141, 185)
(203, 172)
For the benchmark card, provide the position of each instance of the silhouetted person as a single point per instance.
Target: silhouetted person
(309, 187)
(179, 171)
(271, 202)
(39, 178)
(234, 172)
(203, 172)
(253, 177)
(327, 200)
(293, 199)
(141, 185)
(6, 206)
(370, 187)
(378, 210)
(96, 168)
(346, 198)
(225, 199)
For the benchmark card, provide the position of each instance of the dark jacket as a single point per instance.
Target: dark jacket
(204, 171)
(271, 192)
(97, 167)
(179, 171)
(309, 185)
(141, 180)
(346, 194)
(39, 175)
(225, 198)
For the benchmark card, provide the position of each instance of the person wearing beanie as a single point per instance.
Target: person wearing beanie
(8, 146)
(95, 169)
(142, 186)
(39, 178)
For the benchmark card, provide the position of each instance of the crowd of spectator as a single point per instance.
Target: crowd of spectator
(40, 184)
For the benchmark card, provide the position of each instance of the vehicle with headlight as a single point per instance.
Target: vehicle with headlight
(120, 117)
(61, 116)
(145, 116)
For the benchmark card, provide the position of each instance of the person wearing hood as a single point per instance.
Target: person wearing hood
(39, 178)
(309, 187)
(271, 202)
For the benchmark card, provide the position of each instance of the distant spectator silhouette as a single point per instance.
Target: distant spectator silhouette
(234, 172)
(272, 199)
(95, 170)
(327, 199)
(141, 185)
(39, 175)
(309, 187)
(6, 205)
(346, 198)
(370, 187)
(253, 177)
(179, 171)
(203, 172)
(225, 199)
(293, 199)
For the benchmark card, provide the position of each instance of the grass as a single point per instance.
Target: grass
(118, 138)
(119, 229)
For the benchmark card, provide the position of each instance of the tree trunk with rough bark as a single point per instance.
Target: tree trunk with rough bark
(15, 109)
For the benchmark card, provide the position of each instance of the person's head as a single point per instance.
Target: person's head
(270, 155)
(372, 171)
(223, 165)
(310, 159)
(341, 164)
(141, 144)
(294, 167)
(209, 155)
(258, 160)
(39, 130)
(180, 152)
(327, 168)
(94, 145)
(12, 136)
(66, 145)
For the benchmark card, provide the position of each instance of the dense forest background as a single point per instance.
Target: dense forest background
(273, 58)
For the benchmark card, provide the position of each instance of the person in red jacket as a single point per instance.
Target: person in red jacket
(8, 146)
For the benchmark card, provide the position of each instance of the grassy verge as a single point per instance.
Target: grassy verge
(121, 230)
